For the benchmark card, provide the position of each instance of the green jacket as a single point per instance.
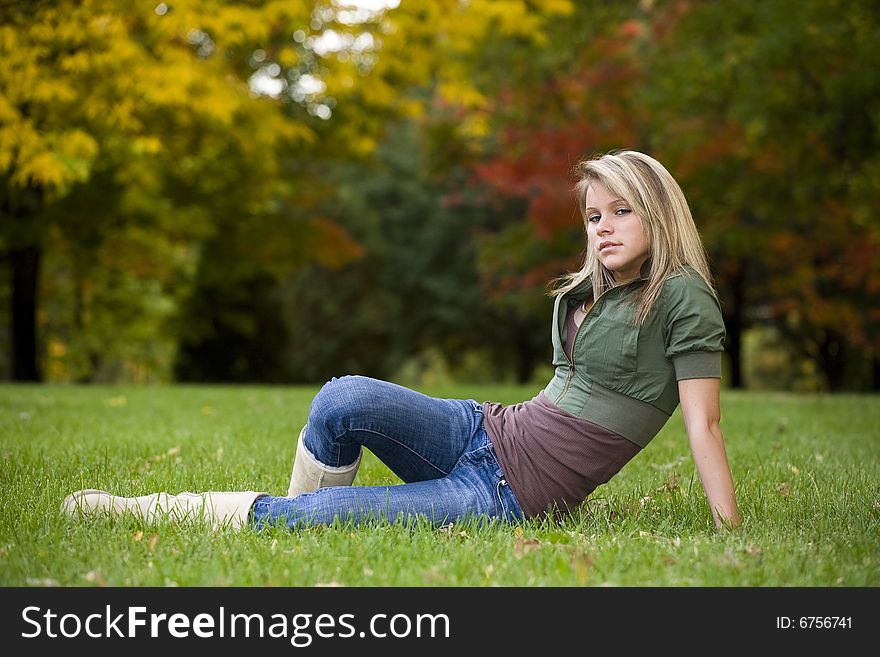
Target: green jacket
(625, 378)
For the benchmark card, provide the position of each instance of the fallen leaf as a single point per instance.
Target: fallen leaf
(153, 540)
(521, 547)
(731, 557)
(582, 563)
(753, 550)
(670, 465)
(41, 582)
(783, 489)
(157, 458)
(672, 482)
(95, 577)
(138, 535)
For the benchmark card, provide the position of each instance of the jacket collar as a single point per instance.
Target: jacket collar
(586, 285)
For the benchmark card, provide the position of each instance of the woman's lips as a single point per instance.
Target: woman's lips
(606, 246)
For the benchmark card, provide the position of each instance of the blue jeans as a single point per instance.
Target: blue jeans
(438, 447)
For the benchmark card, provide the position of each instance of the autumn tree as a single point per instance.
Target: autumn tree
(172, 121)
(565, 98)
(381, 172)
(115, 116)
(768, 112)
(765, 112)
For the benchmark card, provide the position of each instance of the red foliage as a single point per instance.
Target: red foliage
(570, 117)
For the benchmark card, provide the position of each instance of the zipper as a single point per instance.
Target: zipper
(574, 343)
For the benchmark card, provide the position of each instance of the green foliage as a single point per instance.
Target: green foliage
(212, 186)
(767, 114)
(119, 124)
(177, 118)
(414, 291)
(805, 467)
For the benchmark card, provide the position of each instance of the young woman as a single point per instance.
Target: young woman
(635, 331)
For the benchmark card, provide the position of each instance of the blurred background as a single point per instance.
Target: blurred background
(284, 191)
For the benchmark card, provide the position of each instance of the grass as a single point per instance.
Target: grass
(807, 471)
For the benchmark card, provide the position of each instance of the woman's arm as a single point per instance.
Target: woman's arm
(701, 407)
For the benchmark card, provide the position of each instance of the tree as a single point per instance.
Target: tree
(412, 288)
(175, 115)
(764, 112)
(768, 113)
(572, 96)
(136, 104)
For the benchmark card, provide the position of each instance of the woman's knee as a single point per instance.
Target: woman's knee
(339, 401)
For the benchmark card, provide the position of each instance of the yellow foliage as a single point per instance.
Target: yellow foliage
(287, 57)
(7, 144)
(8, 113)
(77, 62)
(410, 107)
(459, 92)
(120, 81)
(41, 168)
(8, 39)
(77, 143)
(95, 75)
(149, 145)
(475, 126)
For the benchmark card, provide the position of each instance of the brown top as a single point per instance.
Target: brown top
(552, 459)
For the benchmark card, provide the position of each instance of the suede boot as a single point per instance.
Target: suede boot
(309, 474)
(218, 509)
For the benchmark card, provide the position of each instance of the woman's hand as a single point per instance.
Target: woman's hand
(701, 408)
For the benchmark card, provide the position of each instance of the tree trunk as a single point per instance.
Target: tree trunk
(19, 212)
(735, 324)
(25, 285)
(832, 360)
(525, 361)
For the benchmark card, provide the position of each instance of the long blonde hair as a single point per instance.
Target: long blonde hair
(654, 195)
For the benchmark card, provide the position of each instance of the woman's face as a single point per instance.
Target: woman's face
(615, 233)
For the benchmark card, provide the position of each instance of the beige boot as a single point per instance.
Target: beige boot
(219, 509)
(309, 474)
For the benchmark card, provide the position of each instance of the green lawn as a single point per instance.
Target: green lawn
(807, 471)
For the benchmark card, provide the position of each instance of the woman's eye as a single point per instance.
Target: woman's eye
(593, 218)
(622, 211)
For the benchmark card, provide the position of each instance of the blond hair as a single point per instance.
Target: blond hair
(654, 195)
